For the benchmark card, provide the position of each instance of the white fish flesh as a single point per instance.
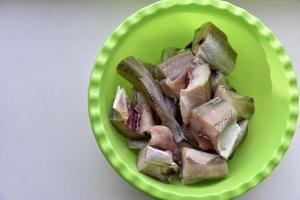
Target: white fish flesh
(231, 137)
(157, 163)
(213, 117)
(197, 92)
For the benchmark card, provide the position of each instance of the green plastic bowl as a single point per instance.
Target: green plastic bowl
(263, 71)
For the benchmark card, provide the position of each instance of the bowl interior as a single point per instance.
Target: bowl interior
(258, 73)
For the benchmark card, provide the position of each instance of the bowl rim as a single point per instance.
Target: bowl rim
(98, 127)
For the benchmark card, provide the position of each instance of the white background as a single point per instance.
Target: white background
(47, 49)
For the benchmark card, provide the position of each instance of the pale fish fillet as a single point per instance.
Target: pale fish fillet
(172, 88)
(198, 166)
(197, 92)
(172, 67)
(157, 163)
(162, 138)
(213, 117)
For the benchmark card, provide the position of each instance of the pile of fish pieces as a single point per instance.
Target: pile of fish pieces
(184, 117)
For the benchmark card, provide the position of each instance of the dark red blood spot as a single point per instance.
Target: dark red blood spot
(134, 115)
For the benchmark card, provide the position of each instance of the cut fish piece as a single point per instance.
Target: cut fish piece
(157, 164)
(167, 91)
(217, 78)
(124, 116)
(162, 138)
(211, 45)
(146, 117)
(197, 92)
(231, 138)
(213, 117)
(199, 166)
(175, 65)
(243, 105)
(172, 88)
(134, 71)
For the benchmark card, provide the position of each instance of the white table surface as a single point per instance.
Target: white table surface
(47, 149)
